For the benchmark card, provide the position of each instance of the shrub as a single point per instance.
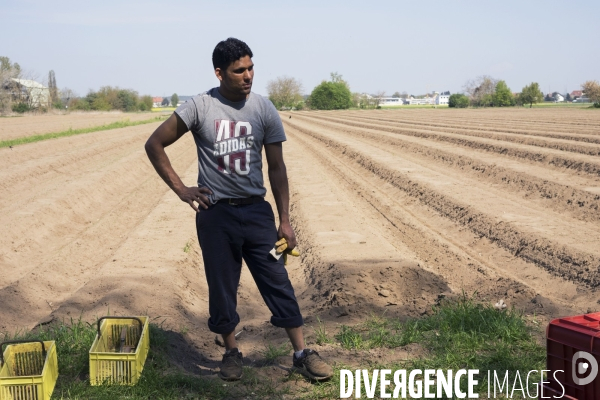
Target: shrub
(128, 99)
(331, 96)
(458, 100)
(80, 104)
(502, 97)
(145, 103)
(101, 104)
(20, 108)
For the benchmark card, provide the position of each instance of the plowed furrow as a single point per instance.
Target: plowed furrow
(71, 155)
(493, 131)
(561, 260)
(117, 243)
(60, 222)
(558, 144)
(581, 204)
(576, 121)
(444, 249)
(551, 157)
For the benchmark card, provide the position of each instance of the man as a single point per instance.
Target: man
(230, 125)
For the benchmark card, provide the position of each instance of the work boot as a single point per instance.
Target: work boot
(231, 366)
(311, 365)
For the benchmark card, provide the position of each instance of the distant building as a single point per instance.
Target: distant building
(33, 93)
(442, 98)
(559, 98)
(582, 99)
(429, 99)
(575, 94)
(420, 102)
(157, 101)
(390, 101)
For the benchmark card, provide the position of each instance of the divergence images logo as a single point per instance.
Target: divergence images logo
(590, 364)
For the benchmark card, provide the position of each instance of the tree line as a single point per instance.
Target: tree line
(488, 92)
(109, 98)
(17, 97)
(286, 93)
(335, 94)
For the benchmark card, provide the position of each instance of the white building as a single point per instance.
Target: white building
(34, 93)
(442, 99)
(559, 98)
(437, 99)
(421, 102)
(390, 101)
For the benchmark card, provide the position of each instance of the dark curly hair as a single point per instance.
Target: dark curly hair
(227, 51)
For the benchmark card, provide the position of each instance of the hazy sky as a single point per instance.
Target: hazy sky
(162, 47)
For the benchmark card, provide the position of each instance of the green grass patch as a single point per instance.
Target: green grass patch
(159, 380)
(559, 105)
(163, 109)
(460, 334)
(71, 132)
(321, 333)
(272, 352)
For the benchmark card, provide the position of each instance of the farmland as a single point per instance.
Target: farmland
(30, 125)
(394, 210)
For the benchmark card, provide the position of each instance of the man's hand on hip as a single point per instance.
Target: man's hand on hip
(195, 194)
(286, 231)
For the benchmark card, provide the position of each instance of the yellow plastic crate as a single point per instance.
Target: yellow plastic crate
(29, 370)
(119, 351)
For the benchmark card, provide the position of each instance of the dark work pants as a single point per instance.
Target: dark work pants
(229, 233)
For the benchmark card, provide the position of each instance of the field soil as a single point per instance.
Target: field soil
(30, 124)
(394, 211)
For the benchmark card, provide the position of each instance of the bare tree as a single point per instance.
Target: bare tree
(337, 78)
(284, 92)
(363, 100)
(481, 90)
(592, 91)
(377, 97)
(68, 97)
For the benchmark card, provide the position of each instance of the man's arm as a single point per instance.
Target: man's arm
(165, 135)
(281, 192)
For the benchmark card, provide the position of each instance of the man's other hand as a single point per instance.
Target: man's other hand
(195, 194)
(285, 231)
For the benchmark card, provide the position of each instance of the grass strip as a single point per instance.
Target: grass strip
(71, 132)
(460, 334)
(160, 379)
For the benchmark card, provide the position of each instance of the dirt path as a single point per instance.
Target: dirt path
(389, 219)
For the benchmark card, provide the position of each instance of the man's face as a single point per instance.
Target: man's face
(236, 80)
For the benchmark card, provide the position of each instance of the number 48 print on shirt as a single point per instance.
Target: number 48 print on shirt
(233, 142)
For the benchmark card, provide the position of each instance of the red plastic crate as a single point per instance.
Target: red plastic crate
(564, 338)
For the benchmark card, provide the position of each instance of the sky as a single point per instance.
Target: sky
(165, 47)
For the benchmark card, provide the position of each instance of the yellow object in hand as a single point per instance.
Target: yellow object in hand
(281, 247)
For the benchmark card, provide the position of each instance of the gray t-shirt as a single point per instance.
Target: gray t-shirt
(229, 137)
